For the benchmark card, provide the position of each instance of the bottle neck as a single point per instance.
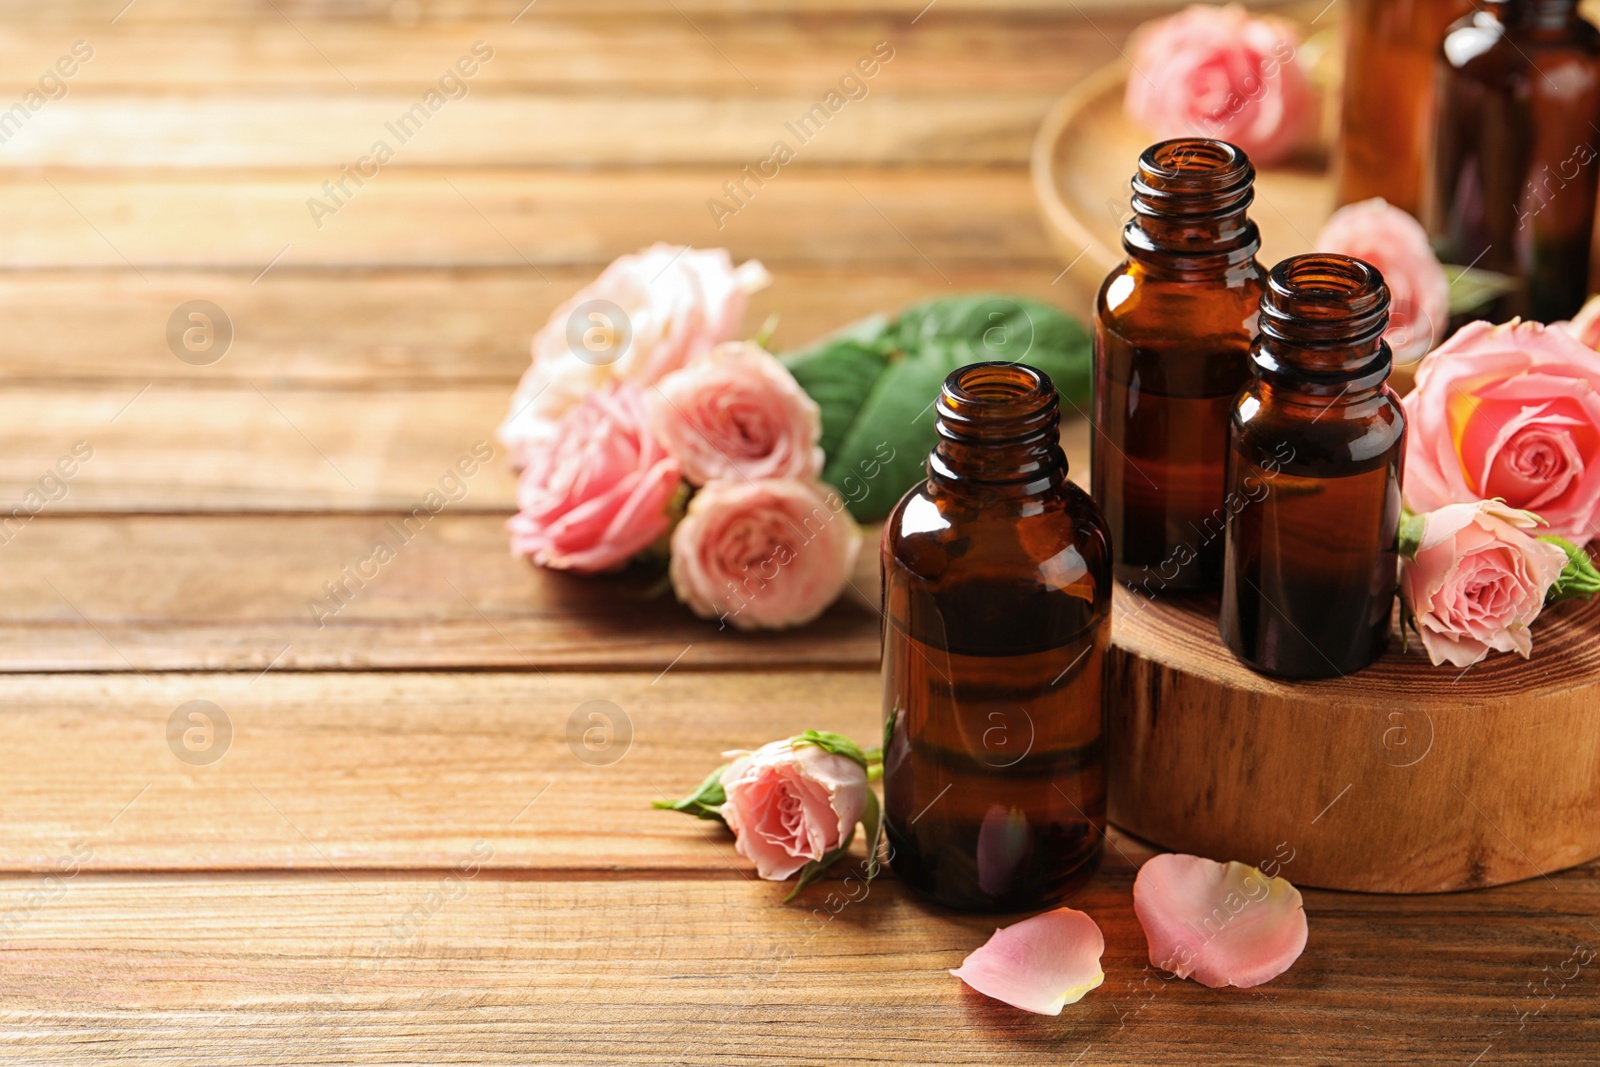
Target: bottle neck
(999, 433)
(1322, 322)
(1191, 200)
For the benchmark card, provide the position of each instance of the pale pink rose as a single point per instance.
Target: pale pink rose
(1478, 581)
(645, 316)
(765, 554)
(1395, 243)
(789, 803)
(596, 493)
(1221, 73)
(1040, 964)
(1509, 412)
(1220, 924)
(738, 412)
(1585, 325)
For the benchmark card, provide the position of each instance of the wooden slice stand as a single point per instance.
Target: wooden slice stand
(1401, 778)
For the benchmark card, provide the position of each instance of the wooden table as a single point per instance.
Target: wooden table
(399, 857)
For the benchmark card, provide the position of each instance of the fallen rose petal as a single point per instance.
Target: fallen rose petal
(1040, 964)
(1220, 924)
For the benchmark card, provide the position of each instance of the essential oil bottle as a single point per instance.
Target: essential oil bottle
(1386, 114)
(1516, 160)
(996, 604)
(1314, 469)
(1172, 331)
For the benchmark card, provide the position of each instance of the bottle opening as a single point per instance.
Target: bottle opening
(1325, 299)
(997, 402)
(1193, 176)
(1322, 321)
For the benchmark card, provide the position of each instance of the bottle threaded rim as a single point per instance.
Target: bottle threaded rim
(997, 402)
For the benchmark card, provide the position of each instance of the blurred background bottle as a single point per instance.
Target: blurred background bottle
(1515, 164)
(1386, 119)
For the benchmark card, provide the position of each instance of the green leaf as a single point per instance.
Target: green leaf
(876, 382)
(1411, 527)
(1472, 289)
(817, 868)
(1579, 578)
(838, 371)
(838, 744)
(704, 802)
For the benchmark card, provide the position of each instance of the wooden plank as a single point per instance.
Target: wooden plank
(334, 772)
(428, 13)
(448, 968)
(379, 329)
(858, 219)
(496, 129)
(238, 592)
(652, 50)
(183, 447)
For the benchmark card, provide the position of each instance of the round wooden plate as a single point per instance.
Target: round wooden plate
(1401, 778)
(1085, 153)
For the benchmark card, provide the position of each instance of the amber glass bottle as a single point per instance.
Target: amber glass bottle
(1172, 331)
(1516, 160)
(1386, 115)
(1314, 476)
(996, 602)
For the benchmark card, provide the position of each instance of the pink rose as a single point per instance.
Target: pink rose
(1397, 245)
(1585, 325)
(643, 318)
(1219, 72)
(1477, 581)
(1511, 412)
(738, 412)
(596, 493)
(789, 803)
(763, 555)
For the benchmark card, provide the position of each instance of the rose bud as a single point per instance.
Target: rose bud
(1220, 72)
(790, 803)
(737, 413)
(764, 554)
(645, 316)
(1476, 579)
(597, 492)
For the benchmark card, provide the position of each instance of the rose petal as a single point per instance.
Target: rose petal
(1040, 964)
(1220, 924)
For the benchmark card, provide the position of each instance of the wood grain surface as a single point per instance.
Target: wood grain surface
(404, 853)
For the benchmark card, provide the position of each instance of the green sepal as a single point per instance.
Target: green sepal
(838, 744)
(817, 868)
(1412, 526)
(872, 820)
(1472, 288)
(1578, 578)
(705, 802)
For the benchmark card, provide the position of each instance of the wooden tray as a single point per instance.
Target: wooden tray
(1401, 778)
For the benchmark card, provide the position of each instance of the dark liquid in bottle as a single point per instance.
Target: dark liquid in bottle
(1161, 486)
(994, 790)
(1172, 330)
(1329, 614)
